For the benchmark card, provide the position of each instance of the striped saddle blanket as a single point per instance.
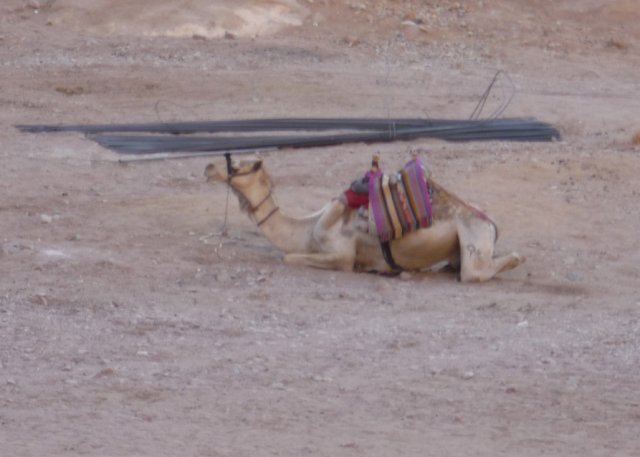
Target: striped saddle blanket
(401, 203)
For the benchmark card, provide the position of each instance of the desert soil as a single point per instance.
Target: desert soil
(135, 321)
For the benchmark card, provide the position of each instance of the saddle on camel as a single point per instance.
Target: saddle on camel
(410, 223)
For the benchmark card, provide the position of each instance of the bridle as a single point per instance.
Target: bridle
(232, 173)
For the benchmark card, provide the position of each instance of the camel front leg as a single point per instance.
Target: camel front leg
(337, 248)
(331, 261)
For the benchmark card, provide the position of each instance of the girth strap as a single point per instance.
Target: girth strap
(386, 252)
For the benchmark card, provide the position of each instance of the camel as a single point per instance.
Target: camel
(336, 237)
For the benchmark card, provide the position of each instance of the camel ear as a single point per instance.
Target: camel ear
(257, 165)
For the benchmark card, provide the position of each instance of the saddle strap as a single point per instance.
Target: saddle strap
(388, 257)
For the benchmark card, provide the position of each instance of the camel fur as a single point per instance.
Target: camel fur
(337, 238)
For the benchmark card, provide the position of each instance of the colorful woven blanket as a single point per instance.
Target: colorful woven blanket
(400, 203)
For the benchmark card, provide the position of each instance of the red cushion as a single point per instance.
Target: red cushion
(355, 200)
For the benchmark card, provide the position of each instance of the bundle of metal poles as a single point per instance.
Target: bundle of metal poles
(152, 138)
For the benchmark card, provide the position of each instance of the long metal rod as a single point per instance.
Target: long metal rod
(262, 125)
(511, 130)
(250, 135)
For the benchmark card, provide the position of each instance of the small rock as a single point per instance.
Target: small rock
(322, 378)
(358, 6)
(45, 218)
(468, 375)
(54, 253)
(523, 324)
(351, 41)
(11, 382)
(39, 299)
(104, 372)
(571, 276)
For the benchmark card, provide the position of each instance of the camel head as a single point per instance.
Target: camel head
(248, 179)
(221, 172)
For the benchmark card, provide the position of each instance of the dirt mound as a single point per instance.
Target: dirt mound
(186, 18)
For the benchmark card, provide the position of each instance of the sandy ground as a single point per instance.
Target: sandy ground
(130, 327)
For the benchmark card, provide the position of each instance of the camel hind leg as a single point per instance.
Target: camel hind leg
(477, 241)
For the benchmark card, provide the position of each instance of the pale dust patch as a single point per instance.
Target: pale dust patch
(182, 19)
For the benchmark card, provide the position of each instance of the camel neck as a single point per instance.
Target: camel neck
(264, 209)
(286, 233)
